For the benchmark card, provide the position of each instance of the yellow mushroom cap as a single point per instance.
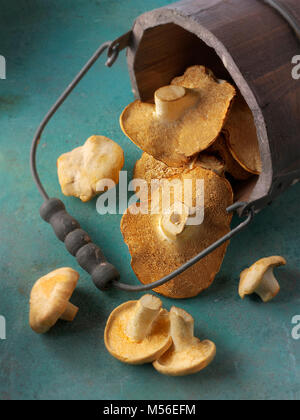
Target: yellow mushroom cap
(188, 354)
(241, 136)
(259, 278)
(137, 332)
(81, 172)
(183, 121)
(154, 255)
(49, 299)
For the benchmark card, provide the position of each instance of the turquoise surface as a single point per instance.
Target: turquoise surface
(45, 44)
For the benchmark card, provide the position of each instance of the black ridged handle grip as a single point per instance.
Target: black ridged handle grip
(79, 244)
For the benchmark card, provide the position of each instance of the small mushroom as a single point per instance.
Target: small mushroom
(188, 354)
(160, 240)
(183, 121)
(260, 279)
(241, 136)
(137, 332)
(83, 172)
(49, 299)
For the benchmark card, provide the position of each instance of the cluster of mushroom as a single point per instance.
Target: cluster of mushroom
(139, 332)
(138, 322)
(187, 119)
(198, 128)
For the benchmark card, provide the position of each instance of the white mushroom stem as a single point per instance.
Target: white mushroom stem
(174, 220)
(269, 286)
(182, 328)
(147, 310)
(172, 101)
(70, 312)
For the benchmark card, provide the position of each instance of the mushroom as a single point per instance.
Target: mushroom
(151, 170)
(160, 240)
(260, 279)
(239, 123)
(183, 121)
(137, 332)
(84, 171)
(49, 299)
(241, 136)
(188, 354)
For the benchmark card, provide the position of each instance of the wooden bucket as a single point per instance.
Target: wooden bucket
(247, 42)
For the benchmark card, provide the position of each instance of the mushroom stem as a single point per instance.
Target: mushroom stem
(173, 221)
(70, 312)
(269, 286)
(182, 328)
(147, 310)
(171, 101)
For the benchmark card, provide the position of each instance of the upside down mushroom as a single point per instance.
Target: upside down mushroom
(183, 121)
(167, 236)
(260, 279)
(137, 332)
(50, 299)
(82, 171)
(188, 354)
(241, 153)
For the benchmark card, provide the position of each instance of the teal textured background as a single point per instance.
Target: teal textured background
(45, 44)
